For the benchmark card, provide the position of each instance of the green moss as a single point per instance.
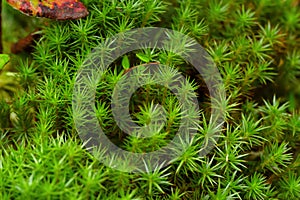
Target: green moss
(254, 44)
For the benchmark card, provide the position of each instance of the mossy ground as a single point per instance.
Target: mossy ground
(255, 45)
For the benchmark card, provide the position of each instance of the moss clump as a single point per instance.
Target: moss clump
(255, 45)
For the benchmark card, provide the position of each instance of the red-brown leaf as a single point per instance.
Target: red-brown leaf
(53, 9)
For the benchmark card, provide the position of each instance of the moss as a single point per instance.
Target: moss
(255, 46)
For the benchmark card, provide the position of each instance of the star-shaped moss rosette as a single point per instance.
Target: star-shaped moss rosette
(53, 9)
